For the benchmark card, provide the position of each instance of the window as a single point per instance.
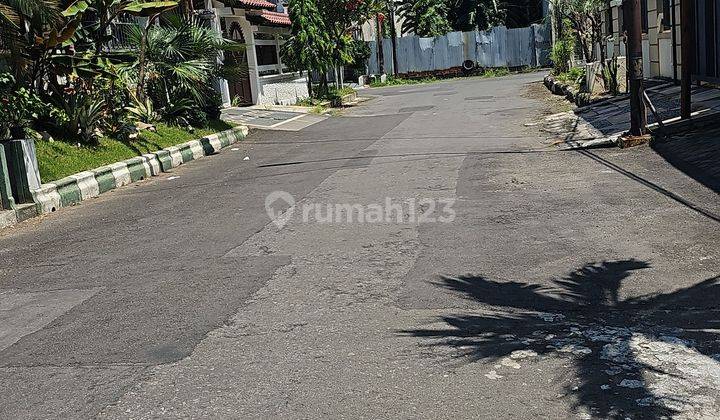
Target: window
(266, 55)
(609, 21)
(644, 15)
(667, 15)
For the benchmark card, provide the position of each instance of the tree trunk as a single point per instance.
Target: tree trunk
(309, 83)
(140, 89)
(587, 53)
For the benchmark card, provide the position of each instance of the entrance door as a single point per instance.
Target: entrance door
(236, 68)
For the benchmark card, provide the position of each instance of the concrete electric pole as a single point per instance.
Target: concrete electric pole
(638, 114)
(393, 34)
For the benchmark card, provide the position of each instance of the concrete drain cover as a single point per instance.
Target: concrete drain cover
(445, 93)
(415, 108)
(479, 98)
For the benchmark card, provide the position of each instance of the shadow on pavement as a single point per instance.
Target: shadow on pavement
(697, 154)
(614, 343)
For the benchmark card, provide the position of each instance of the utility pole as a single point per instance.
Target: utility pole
(379, 43)
(688, 47)
(638, 114)
(393, 34)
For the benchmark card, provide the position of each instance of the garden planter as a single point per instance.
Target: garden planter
(22, 169)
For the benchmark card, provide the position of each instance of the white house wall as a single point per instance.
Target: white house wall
(657, 42)
(281, 90)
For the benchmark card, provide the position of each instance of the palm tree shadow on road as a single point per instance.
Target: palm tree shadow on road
(619, 347)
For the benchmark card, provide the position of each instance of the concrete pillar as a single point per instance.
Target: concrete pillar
(6, 199)
(253, 72)
(221, 85)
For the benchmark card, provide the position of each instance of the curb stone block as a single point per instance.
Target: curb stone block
(7, 218)
(211, 144)
(186, 153)
(47, 198)
(152, 165)
(69, 191)
(176, 158)
(163, 156)
(87, 184)
(196, 148)
(84, 185)
(104, 178)
(121, 173)
(136, 168)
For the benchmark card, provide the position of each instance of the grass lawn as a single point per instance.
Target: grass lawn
(61, 158)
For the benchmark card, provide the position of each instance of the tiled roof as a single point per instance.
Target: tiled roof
(270, 18)
(250, 4)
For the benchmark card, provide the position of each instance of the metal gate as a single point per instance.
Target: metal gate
(707, 45)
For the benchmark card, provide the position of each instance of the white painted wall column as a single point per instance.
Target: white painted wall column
(249, 34)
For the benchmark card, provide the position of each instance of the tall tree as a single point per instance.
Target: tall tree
(309, 47)
(425, 17)
(339, 17)
(469, 15)
(585, 17)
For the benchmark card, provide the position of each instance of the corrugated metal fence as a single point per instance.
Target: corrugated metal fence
(498, 47)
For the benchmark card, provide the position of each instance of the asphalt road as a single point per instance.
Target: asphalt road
(568, 284)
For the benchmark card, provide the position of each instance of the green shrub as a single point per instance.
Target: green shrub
(496, 72)
(561, 54)
(20, 107)
(610, 76)
(197, 117)
(213, 106)
(576, 73)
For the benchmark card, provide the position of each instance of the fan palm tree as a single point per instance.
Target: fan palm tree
(180, 58)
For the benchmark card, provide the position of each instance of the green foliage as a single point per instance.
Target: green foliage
(360, 53)
(496, 72)
(561, 54)
(611, 77)
(576, 73)
(309, 46)
(584, 17)
(399, 81)
(176, 112)
(438, 17)
(179, 61)
(468, 15)
(142, 110)
(20, 107)
(82, 111)
(64, 157)
(425, 17)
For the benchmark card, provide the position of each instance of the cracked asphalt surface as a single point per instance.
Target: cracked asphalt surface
(568, 285)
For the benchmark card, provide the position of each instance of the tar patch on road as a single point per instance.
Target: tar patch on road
(410, 109)
(158, 315)
(480, 98)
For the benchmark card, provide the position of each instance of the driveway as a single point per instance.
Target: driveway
(497, 277)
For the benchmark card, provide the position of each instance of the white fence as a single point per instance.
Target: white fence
(498, 47)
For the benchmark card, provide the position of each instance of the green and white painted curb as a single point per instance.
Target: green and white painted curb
(84, 185)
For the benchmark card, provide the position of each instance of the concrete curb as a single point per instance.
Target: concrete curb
(88, 184)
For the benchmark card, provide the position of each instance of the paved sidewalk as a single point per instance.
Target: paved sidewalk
(613, 116)
(272, 119)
